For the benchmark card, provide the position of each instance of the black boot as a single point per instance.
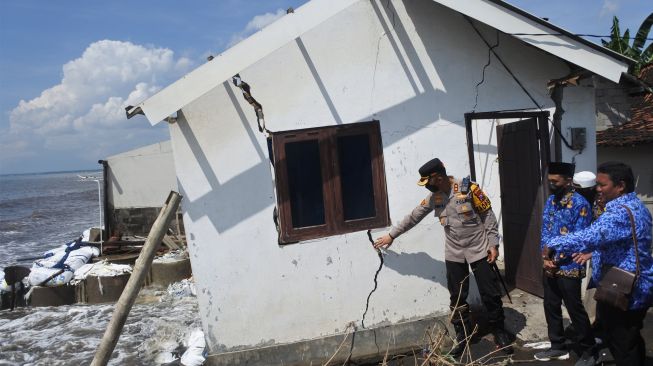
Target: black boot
(461, 340)
(503, 340)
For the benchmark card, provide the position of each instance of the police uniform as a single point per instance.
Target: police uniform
(471, 229)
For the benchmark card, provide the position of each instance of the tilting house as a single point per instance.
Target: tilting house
(292, 144)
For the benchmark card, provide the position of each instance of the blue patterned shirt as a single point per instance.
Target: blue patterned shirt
(610, 236)
(572, 213)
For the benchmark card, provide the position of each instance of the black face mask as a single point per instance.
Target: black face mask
(431, 188)
(558, 191)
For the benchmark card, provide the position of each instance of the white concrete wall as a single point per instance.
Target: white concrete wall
(414, 67)
(142, 177)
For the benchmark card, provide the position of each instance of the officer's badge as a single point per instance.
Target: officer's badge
(438, 199)
(564, 230)
(583, 212)
(455, 188)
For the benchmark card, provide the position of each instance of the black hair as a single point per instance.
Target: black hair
(588, 193)
(618, 172)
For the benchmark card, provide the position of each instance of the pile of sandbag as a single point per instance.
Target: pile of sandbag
(59, 265)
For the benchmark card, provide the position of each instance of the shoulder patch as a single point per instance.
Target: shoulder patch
(423, 203)
(480, 200)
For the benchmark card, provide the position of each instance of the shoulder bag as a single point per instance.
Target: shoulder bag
(616, 285)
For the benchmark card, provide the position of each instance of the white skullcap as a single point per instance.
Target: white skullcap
(585, 179)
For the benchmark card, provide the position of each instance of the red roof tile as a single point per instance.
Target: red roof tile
(639, 130)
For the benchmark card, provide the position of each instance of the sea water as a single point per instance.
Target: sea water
(41, 211)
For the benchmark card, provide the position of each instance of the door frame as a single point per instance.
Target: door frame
(543, 141)
(542, 136)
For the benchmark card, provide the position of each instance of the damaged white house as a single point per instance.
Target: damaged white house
(289, 146)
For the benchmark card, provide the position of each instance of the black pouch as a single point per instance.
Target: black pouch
(615, 287)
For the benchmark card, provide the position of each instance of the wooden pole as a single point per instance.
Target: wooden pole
(141, 268)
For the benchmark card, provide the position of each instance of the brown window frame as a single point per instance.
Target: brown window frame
(331, 183)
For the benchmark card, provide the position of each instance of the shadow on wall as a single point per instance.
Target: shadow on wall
(223, 204)
(419, 264)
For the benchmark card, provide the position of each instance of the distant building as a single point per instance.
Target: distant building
(137, 183)
(625, 128)
(289, 146)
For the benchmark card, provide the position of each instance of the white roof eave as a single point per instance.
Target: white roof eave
(565, 47)
(224, 66)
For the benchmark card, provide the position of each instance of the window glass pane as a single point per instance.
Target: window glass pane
(305, 183)
(356, 177)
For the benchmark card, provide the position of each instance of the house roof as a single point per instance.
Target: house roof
(639, 130)
(495, 13)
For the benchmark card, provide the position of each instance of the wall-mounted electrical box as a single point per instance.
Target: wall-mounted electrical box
(578, 138)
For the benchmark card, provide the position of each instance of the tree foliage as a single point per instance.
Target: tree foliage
(635, 50)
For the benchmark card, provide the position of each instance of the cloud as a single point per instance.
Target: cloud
(87, 106)
(257, 23)
(609, 8)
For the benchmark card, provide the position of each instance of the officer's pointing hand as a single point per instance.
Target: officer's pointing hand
(492, 255)
(383, 242)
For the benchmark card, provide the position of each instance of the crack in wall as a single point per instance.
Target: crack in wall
(376, 275)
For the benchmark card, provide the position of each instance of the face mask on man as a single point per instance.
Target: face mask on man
(432, 188)
(557, 190)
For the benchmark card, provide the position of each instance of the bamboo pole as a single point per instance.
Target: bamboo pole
(141, 268)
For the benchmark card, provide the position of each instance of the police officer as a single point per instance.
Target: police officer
(472, 239)
(565, 211)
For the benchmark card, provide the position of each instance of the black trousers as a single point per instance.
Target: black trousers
(559, 289)
(488, 286)
(622, 333)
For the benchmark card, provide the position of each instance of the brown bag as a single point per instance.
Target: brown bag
(616, 285)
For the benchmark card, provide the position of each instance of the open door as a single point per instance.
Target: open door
(523, 150)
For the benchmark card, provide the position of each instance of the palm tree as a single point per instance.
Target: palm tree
(621, 43)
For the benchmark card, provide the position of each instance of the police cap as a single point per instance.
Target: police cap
(427, 170)
(565, 169)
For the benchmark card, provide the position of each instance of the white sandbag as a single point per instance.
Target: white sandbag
(86, 235)
(43, 268)
(194, 355)
(40, 274)
(4, 287)
(81, 256)
(101, 269)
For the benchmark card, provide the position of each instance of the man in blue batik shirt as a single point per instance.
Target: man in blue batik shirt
(610, 236)
(565, 211)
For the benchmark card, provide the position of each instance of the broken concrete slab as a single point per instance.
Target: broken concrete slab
(98, 290)
(52, 296)
(164, 273)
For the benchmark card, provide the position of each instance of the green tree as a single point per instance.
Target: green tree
(621, 43)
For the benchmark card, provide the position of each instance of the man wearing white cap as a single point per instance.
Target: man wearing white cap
(585, 184)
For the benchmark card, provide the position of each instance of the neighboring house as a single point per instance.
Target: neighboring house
(629, 136)
(137, 183)
(352, 97)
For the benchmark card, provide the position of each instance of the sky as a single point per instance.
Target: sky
(68, 68)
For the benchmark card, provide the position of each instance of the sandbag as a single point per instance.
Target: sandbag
(57, 260)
